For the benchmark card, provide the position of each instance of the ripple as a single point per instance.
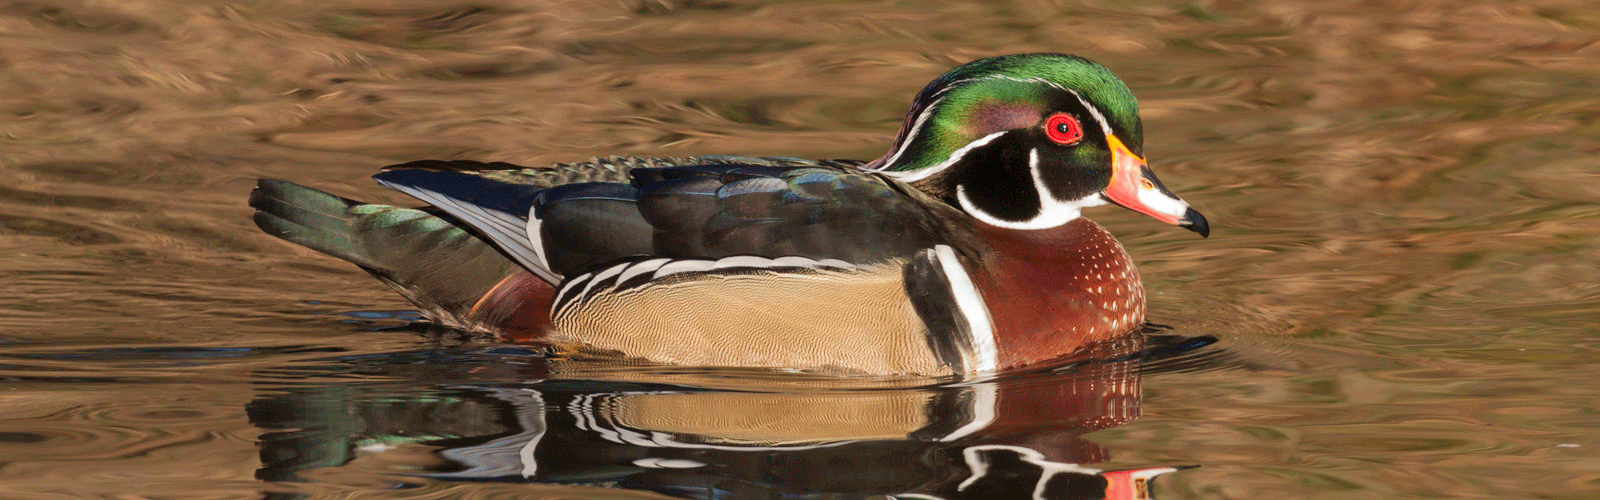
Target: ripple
(1398, 300)
(72, 234)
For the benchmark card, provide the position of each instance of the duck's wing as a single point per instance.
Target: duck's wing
(703, 208)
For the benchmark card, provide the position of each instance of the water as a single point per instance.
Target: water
(1399, 299)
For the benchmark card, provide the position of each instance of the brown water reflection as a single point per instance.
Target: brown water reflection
(1403, 196)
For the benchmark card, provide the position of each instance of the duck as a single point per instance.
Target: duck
(963, 250)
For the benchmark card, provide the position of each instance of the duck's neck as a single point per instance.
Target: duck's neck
(1051, 291)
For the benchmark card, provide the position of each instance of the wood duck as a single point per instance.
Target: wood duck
(960, 251)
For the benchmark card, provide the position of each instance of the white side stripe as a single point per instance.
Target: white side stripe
(536, 238)
(970, 304)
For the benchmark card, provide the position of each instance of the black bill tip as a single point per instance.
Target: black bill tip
(1193, 221)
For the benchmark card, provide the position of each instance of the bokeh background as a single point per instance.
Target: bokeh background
(1403, 196)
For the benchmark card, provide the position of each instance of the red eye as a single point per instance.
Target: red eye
(1063, 128)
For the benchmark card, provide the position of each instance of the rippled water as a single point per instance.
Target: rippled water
(1399, 299)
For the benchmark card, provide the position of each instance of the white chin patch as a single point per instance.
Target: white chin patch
(1052, 212)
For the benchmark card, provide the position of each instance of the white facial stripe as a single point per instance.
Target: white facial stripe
(916, 128)
(985, 353)
(1052, 212)
(926, 172)
(1105, 126)
(952, 85)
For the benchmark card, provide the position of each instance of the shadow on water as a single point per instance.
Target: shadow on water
(507, 415)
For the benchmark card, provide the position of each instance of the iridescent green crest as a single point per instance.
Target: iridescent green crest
(958, 107)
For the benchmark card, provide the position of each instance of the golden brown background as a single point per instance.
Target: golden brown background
(1403, 196)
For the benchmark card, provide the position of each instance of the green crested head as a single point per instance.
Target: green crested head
(1024, 141)
(973, 100)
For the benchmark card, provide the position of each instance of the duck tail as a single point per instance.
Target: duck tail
(455, 276)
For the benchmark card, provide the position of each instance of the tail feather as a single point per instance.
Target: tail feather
(429, 258)
(308, 217)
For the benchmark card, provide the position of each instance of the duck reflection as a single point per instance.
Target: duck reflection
(714, 434)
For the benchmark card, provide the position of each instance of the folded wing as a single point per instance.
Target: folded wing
(695, 208)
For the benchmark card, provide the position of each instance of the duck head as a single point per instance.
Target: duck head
(1026, 141)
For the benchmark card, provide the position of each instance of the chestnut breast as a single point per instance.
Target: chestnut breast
(1052, 291)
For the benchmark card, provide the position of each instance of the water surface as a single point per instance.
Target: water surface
(1399, 299)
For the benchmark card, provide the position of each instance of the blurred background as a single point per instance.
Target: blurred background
(1403, 267)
